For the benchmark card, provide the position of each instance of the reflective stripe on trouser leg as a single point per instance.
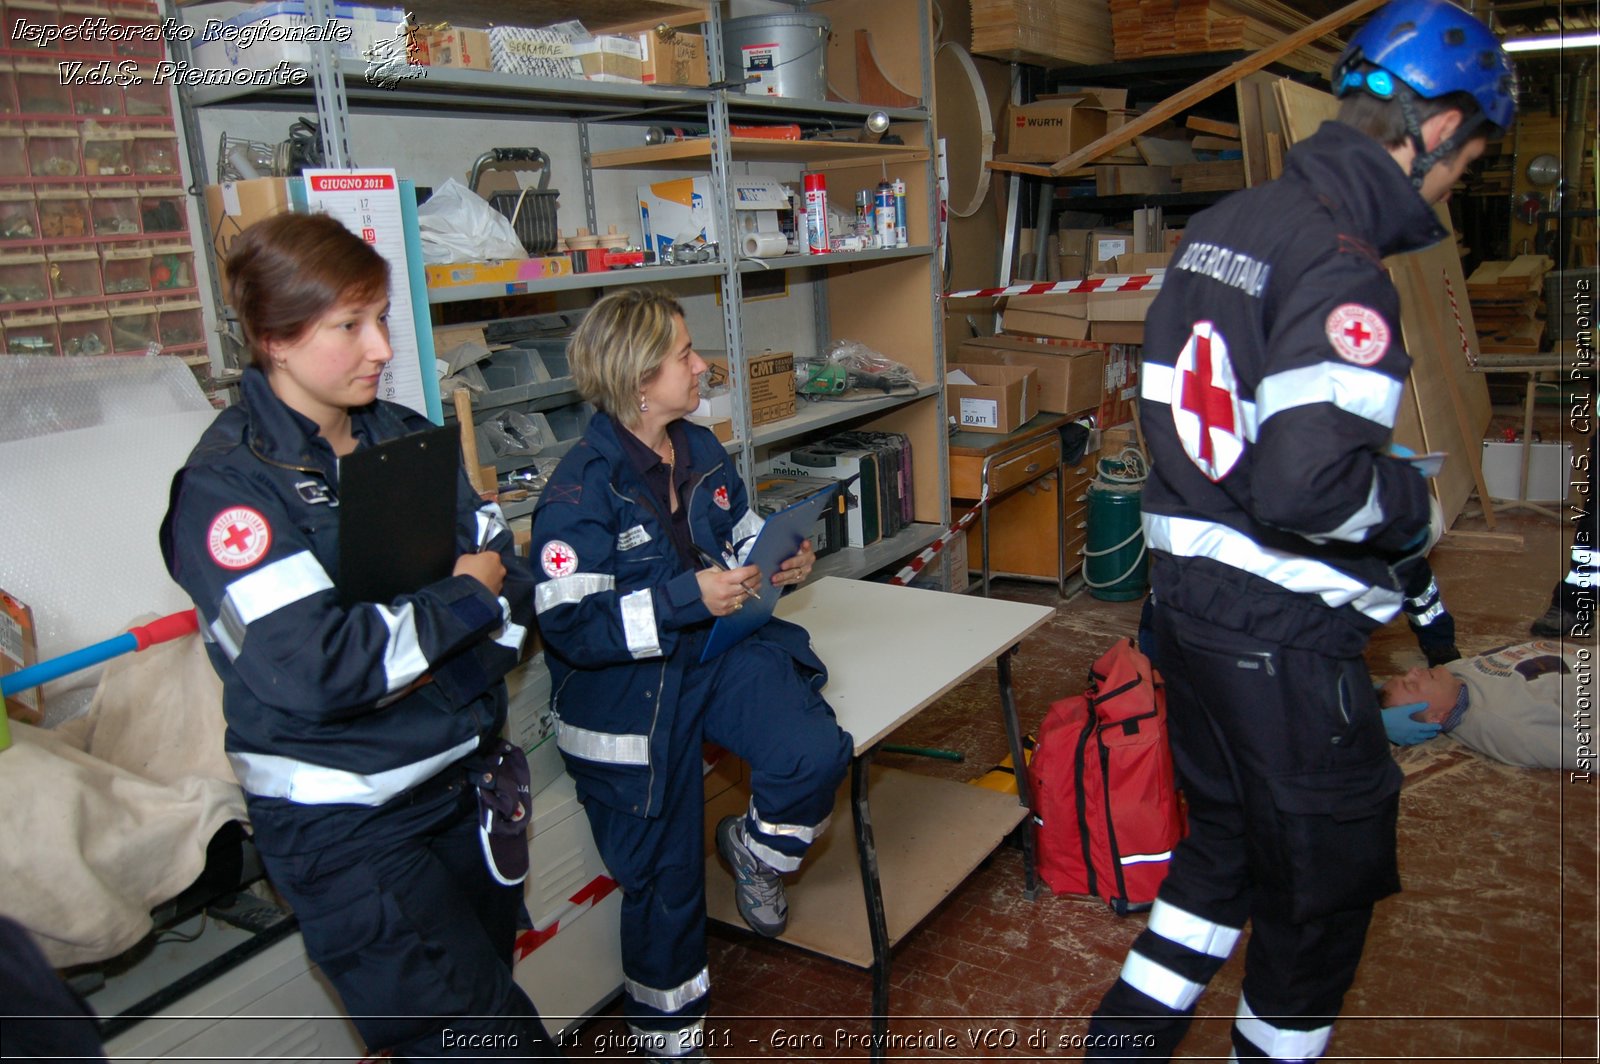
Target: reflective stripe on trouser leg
(683, 1042)
(1256, 1039)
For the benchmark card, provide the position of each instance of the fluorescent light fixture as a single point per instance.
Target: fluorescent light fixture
(1551, 44)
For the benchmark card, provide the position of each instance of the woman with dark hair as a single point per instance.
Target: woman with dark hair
(363, 736)
(641, 537)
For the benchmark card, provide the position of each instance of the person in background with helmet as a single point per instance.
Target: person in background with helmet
(1277, 517)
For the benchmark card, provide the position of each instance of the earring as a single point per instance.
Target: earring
(644, 407)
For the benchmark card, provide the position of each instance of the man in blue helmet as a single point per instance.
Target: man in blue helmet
(1277, 515)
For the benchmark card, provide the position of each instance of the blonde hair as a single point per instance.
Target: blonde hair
(620, 346)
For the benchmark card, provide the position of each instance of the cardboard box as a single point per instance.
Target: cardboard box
(1002, 398)
(1141, 262)
(769, 377)
(678, 59)
(610, 58)
(721, 426)
(676, 211)
(1117, 332)
(1049, 130)
(1070, 376)
(234, 206)
(459, 49)
(1099, 248)
(540, 53)
(1064, 316)
(1120, 306)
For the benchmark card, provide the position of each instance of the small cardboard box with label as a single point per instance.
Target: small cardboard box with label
(672, 57)
(1071, 375)
(610, 58)
(1064, 316)
(991, 398)
(769, 377)
(1052, 129)
(459, 49)
(675, 212)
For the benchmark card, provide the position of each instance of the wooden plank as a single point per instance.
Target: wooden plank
(1251, 135)
(1209, 125)
(1274, 155)
(1181, 101)
(1303, 108)
(1159, 151)
(1498, 541)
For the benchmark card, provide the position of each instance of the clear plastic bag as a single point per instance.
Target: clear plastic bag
(516, 433)
(458, 225)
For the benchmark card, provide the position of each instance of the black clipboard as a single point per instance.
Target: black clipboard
(397, 515)
(780, 537)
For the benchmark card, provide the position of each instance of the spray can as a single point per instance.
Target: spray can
(816, 188)
(864, 216)
(883, 214)
(901, 239)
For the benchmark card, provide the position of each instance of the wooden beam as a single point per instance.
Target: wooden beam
(1212, 126)
(1505, 541)
(1176, 104)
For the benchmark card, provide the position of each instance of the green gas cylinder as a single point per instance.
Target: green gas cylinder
(1114, 552)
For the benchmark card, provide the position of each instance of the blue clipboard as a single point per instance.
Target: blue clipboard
(780, 537)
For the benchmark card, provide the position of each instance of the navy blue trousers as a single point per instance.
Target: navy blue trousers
(753, 702)
(413, 932)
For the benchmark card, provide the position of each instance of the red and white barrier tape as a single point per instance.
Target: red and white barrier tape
(909, 573)
(1455, 309)
(1120, 283)
(587, 897)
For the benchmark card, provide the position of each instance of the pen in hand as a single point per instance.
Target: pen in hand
(716, 563)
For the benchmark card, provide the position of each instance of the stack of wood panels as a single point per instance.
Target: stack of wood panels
(1141, 28)
(1066, 31)
(1506, 298)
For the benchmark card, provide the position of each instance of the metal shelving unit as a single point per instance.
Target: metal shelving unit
(903, 322)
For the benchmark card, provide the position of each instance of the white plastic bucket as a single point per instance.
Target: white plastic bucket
(787, 54)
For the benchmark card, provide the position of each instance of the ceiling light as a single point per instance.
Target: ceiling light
(1551, 44)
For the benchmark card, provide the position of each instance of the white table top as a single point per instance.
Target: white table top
(892, 651)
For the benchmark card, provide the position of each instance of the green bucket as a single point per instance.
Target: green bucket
(1113, 553)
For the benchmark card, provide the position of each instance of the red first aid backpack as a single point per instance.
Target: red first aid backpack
(1108, 811)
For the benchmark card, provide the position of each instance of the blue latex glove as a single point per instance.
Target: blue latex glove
(1403, 730)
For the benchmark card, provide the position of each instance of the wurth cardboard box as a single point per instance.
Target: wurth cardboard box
(1049, 130)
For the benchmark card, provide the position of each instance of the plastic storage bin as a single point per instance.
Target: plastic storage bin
(161, 210)
(18, 218)
(180, 324)
(171, 266)
(97, 101)
(107, 153)
(85, 331)
(74, 274)
(133, 328)
(146, 99)
(30, 334)
(8, 85)
(53, 151)
(64, 214)
(116, 211)
(24, 278)
(90, 43)
(155, 153)
(124, 270)
(145, 40)
(13, 154)
(40, 90)
(38, 12)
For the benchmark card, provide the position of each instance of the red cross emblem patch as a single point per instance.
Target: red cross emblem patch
(238, 538)
(1358, 334)
(1205, 403)
(558, 559)
(720, 496)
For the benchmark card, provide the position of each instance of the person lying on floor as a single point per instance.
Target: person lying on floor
(1514, 704)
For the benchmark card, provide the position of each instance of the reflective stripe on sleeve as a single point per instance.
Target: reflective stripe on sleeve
(673, 999)
(565, 590)
(639, 624)
(273, 776)
(1363, 392)
(266, 590)
(1185, 537)
(403, 660)
(607, 747)
(745, 532)
(510, 634)
(1280, 1043)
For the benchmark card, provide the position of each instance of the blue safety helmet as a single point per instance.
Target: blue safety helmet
(1434, 48)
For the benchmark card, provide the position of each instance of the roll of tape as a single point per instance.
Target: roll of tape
(765, 245)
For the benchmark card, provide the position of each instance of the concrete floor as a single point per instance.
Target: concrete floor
(1488, 954)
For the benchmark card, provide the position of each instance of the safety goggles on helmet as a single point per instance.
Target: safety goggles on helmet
(1433, 48)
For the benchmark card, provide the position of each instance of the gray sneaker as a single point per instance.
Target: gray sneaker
(756, 887)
